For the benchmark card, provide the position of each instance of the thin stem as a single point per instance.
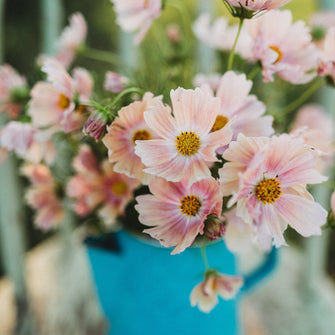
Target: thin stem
(124, 93)
(232, 52)
(253, 73)
(204, 256)
(301, 99)
(102, 56)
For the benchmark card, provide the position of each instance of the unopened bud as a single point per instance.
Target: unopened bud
(214, 227)
(95, 125)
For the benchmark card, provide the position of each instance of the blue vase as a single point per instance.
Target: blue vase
(145, 290)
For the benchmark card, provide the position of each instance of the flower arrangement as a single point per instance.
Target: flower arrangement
(198, 157)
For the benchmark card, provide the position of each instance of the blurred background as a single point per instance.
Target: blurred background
(298, 298)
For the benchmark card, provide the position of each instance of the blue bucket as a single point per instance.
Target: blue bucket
(145, 290)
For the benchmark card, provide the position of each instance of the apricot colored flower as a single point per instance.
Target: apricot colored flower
(186, 142)
(123, 133)
(288, 51)
(137, 15)
(271, 192)
(10, 81)
(177, 211)
(205, 294)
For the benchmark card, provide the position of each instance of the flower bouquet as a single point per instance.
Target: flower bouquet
(175, 156)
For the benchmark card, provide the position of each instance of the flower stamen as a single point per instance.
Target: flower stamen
(279, 53)
(189, 205)
(141, 135)
(219, 123)
(119, 187)
(268, 190)
(187, 143)
(63, 101)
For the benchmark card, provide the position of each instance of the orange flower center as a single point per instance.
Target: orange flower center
(63, 101)
(279, 53)
(187, 143)
(219, 123)
(119, 187)
(268, 190)
(189, 205)
(81, 109)
(141, 135)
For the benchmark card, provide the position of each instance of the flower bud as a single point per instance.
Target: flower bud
(95, 125)
(214, 227)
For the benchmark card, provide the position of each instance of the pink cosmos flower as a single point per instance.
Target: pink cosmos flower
(123, 133)
(186, 142)
(10, 81)
(137, 15)
(245, 111)
(71, 39)
(42, 197)
(52, 103)
(176, 212)
(324, 19)
(219, 35)
(327, 62)
(287, 51)
(257, 5)
(316, 128)
(212, 80)
(271, 190)
(98, 185)
(206, 293)
(115, 83)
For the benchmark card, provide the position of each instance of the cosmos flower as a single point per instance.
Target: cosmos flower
(288, 51)
(115, 83)
(186, 142)
(271, 192)
(205, 294)
(123, 133)
(137, 15)
(176, 211)
(326, 66)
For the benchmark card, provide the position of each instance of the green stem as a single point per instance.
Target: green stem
(101, 55)
(204, 256)
(253, 73)
(124, 93)
(302, 98)
(232, 52)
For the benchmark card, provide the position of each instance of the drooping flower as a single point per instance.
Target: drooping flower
(42, 197)
(248, 8)
(137, 15)
(205, 294)
(288, 51)
(316, 128)
(219, 35)
(176, 211)
(10, 83)
(53, 103)
(115, 83)
(186, 142)
(97, 185)
(71, 39)
(271, 186)
(245, 111)
(122, 135)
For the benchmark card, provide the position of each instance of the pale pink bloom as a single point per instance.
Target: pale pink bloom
(239, 237)
(257, 5)
(327, 57)
(212, 80)
(10, 81)
(288, 51)
(123, 133)
(219, 35)
(272, 187)
(206, 293)
(42, 197)
(115, 83)
(332, 202)
(176, 211)
(186, 142)
(71, 39)
(245, 111)
(137, 15)
(317, 130)
(324, 19)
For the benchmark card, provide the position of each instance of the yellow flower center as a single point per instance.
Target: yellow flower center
(219, 123)
(141, 135)
(279, 53)
(119, 187)
(187, 143)
(189, 205)
(63, 101)
(268, 190)
(81, 109)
